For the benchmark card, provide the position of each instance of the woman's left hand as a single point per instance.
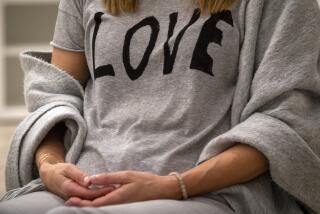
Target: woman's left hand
(133, 186)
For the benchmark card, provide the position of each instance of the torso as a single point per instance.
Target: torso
(153, 103)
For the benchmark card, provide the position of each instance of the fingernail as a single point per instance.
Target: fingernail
(93, 176)
(86, 179)
(116, 186)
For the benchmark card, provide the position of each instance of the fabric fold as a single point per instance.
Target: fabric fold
(281, 115)
(51, 96)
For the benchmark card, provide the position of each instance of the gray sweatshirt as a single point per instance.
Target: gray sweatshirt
(170, 89)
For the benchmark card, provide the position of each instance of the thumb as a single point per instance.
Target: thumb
(77, 175)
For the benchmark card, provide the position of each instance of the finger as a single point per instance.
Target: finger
(107, 178)
(100, 201)
(76, 201)
(74, 189)
(97, 186)
(118, 196)
(109, 199)
(77, 175)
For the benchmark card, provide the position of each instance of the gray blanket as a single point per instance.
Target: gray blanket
(51, 96)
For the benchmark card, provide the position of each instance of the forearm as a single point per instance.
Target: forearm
(238, 164)
(53, 144)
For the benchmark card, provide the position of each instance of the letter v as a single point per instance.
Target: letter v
(169, 58)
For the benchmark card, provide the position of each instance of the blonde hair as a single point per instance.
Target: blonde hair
(213, 6)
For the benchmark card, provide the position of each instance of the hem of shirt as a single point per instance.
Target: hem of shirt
(65, 48)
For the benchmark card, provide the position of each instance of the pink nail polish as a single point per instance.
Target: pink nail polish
(86, 179)
(93, 176)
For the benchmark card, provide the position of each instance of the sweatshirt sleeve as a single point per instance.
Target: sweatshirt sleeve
(69, 30)
(51, 96)
(281, 114)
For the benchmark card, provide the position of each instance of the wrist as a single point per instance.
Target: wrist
(48, 159)
(44, 166)
(172, 188)
(47, 168)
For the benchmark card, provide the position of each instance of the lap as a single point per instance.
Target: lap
(33, 203)
(44, 202)
(194, 205)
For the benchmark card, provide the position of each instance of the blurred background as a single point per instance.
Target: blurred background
(24, 25)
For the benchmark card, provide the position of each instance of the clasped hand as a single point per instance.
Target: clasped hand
(117, 187)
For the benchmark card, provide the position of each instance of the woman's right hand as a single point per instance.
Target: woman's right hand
(67, 180)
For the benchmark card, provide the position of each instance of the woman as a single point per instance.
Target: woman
(223, 93)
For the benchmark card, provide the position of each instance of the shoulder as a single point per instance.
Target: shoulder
(278, 5)
(280, 11)
(72, 6)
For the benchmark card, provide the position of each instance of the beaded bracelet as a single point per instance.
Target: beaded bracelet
(181, 184)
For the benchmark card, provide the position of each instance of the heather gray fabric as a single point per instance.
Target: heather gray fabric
(51, 96)
(169, 90)
(52, 204)
(45, 201)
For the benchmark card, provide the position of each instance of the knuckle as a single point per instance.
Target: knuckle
(68, 166)
(123, 175)
(66, 196)
(81, 177)
(66, 187)
(66, 193)
(128, 173)
(64, 171)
